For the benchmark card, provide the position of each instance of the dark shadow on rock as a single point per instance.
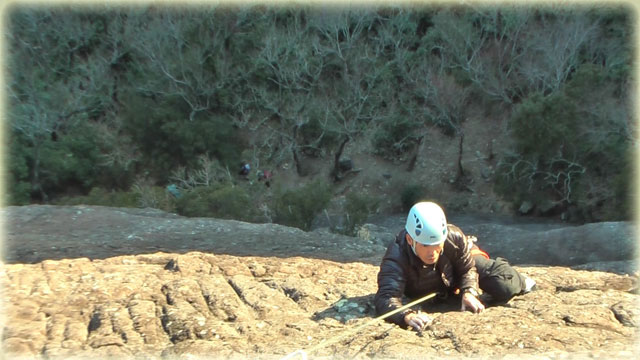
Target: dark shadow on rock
(439, 305)
(348, 308)
(453, 304)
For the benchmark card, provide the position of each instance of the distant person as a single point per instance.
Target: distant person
(430, 256)
(245, 169)
(173, 190)
(265, 176)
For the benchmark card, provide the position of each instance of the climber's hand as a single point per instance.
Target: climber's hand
(471, 303)
(417, 321)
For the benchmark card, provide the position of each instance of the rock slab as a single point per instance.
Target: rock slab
(203, 305)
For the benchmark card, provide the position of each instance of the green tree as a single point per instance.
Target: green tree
(18, 184)
(282, 97)
(168, 139)
(58, 84)
(572, 148)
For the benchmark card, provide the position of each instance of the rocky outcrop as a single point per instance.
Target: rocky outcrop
(96, 282)
(205, 305)
(571, 245)
(36, 233)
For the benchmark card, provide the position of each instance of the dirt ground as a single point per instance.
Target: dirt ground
(435, 169)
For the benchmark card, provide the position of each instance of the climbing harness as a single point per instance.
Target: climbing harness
(303, 354)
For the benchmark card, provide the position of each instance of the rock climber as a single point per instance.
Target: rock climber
(429, 256)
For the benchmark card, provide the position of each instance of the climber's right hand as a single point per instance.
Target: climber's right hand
(418, 321)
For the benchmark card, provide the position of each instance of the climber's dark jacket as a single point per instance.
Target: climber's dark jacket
(403, 273)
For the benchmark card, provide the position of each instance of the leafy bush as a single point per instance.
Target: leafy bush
(72, 159)
(167, 137)
(18, 186)
(609, 196)
(571, 150)
(102, 197)
(541, 125)
(412, 194)
(396, 136)
(544, 166)
(44, 165)
(357, 208)
(299, 207)
(226, 201)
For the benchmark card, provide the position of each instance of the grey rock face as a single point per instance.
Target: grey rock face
(37, 233)
(567, 246)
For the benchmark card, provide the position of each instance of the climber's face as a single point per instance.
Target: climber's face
(429, 254)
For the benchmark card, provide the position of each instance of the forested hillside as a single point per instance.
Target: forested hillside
(110, 105)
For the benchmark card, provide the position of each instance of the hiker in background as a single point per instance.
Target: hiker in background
(173, 190)
(265, 176)
(430, 256)
(245, 169)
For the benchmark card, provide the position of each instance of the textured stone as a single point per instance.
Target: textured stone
(219, 302)
(298, 305)
(605, 242)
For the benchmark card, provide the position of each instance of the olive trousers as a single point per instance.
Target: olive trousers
(498, 279)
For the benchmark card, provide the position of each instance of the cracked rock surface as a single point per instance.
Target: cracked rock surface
(205, 304)
(220, 306)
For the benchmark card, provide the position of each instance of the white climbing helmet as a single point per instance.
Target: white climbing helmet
(427, 224)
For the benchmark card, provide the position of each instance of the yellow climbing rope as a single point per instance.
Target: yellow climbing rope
(324, 343)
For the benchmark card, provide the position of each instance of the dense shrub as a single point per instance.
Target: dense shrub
(542, 167)
(72, 159)
(396, 135)
(299, 207)
(544, 125)
(222, 201)
(412, 194)
(49, 165)
(102, 197)
(18, 185)
(168, 138)
(357, 208)
(572, 149)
